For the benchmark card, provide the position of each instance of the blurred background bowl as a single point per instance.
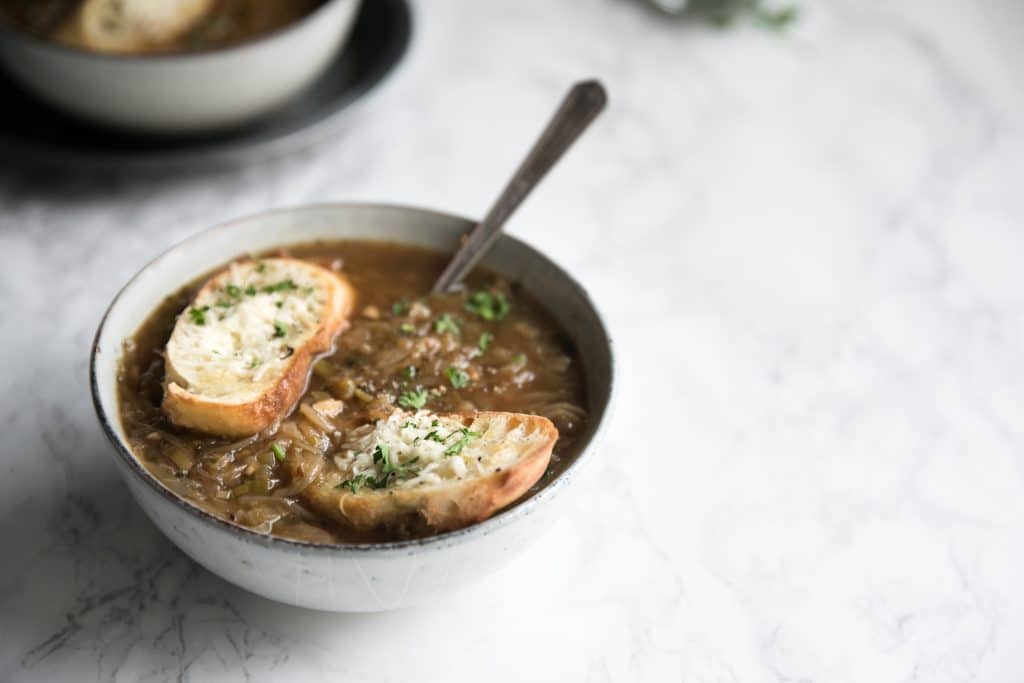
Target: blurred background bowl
(186, 92)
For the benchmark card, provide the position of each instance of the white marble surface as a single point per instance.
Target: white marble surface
(809, 247)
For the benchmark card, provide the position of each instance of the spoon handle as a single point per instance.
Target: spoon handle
(581, 105)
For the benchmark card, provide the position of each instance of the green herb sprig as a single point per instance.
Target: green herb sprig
(282, 286)
(414, 399)
(358, 481)
(198, 315)
(488, 305)
(389, 471)
(465, 436)
(456, 377)
(446, 323)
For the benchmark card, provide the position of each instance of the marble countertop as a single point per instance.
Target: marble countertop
(809, 248)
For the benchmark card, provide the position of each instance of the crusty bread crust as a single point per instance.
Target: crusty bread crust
(228, 419)
(444, 507)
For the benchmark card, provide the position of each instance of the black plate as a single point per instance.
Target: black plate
(33, 132)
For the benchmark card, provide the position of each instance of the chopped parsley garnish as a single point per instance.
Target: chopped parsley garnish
(434, 436)
(233, 290)
(414, 400)
(382, 457)
(409, 423)
(282, 286)
(457, 377)
(399, 308)
(487, 305)
(409, 372)
(278, 451)
(446, 323)
(279, 304)
(485, 340)
(198, 315)
(280, 330)
(408, 328)
(260, 267)
(224, 304)
(250, 291)
(519, 358)
(465, 436)
(358, 481)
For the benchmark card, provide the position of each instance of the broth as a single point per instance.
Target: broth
(400, 344)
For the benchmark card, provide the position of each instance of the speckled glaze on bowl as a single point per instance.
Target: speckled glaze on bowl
(182, 92)
(350, 577)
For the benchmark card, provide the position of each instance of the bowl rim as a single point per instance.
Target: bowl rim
(447, 539)
(189, 55)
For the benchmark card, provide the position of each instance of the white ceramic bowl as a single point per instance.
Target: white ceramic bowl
(350, 577)
(186, 92)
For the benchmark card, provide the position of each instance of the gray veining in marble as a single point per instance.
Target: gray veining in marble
(809, 248)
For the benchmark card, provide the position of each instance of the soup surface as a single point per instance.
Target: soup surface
(398, 353)
(148, 26)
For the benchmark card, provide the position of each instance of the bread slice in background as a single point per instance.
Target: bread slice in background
(240, 354)
(129, 26)
(447, 486)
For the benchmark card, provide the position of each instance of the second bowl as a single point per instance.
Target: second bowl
(182, 92)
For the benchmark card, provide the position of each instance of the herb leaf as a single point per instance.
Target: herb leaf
(282, 286)
(280, 330)
(382, 457)
(457, 377)
(198, 315)
(465, 436)
(399, 308)
(358, 481)
(487, 305)
(278, 451)
(233, 290)
(446, 323)
(485, 340)
(414, 400)
(250, 291)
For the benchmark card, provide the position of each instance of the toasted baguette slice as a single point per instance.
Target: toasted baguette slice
(240, 354)
(452, 470)
(125, 26)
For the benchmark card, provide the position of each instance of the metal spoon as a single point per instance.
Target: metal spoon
(581, 106)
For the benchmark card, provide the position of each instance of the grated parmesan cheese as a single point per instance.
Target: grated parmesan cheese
(436, 449)
(250, 320)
